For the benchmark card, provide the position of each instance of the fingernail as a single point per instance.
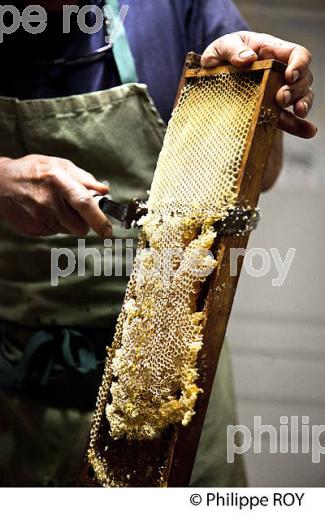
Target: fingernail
(306, 107)
(106, 230)
(246, 54)
(295, 75)
(287, 97)
(209, 61)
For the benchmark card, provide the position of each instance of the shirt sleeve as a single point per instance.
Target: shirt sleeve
(210, 19)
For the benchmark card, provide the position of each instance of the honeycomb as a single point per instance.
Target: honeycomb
(151, 378)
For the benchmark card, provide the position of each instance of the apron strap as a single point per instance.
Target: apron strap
(121, 50)
(45, 356)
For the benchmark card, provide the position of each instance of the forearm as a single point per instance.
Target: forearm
(274, 164)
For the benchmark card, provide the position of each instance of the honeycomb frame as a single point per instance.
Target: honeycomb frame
(123, 423)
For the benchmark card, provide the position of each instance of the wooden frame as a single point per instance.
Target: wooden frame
(177, 449)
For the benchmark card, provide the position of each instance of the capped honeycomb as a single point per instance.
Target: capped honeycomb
(151, 378)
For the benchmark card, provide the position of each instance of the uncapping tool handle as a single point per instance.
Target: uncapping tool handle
(127, 214)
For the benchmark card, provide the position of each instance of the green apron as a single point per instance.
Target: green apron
(116, 135)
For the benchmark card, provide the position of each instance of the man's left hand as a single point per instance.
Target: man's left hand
(242, 48)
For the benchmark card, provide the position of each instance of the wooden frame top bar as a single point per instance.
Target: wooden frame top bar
(196, 72)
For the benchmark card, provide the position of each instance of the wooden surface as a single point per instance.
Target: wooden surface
(194, 72)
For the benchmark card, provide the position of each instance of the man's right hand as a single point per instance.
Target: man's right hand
(42, 195)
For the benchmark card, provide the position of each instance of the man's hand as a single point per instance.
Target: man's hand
(41, 196)
(243, 48)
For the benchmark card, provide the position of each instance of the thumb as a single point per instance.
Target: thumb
(230, 48)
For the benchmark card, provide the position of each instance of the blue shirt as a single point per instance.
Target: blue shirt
(160, 33)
